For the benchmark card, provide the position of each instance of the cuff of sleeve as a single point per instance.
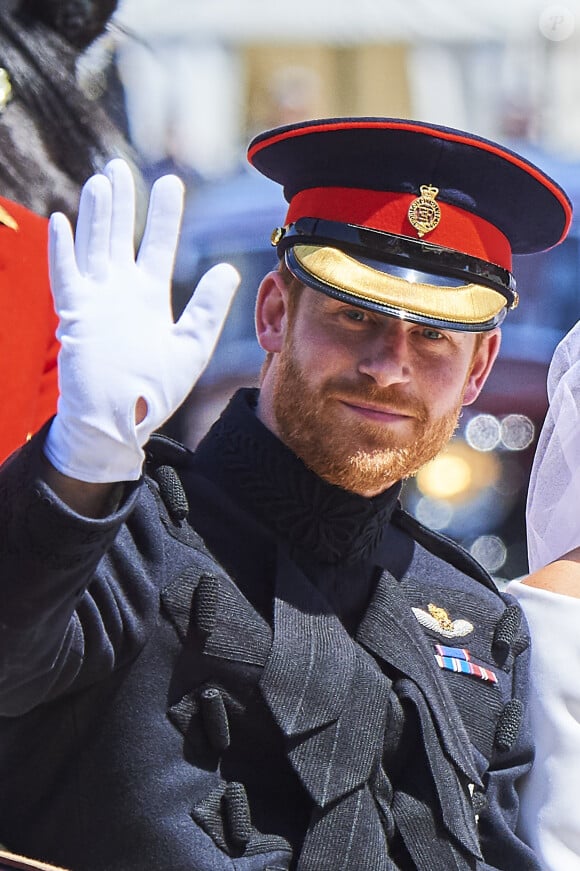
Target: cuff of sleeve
(89, 455)
(30, 505)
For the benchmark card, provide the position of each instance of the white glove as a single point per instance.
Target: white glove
(119, 341)
(553, 519)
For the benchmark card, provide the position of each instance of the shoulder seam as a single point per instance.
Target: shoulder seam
(444, 547)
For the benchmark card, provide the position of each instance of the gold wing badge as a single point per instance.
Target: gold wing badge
(438, 620)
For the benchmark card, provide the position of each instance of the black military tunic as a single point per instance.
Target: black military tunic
(339, 690)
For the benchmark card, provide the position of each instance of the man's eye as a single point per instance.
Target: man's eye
(430, 333)
(355, 314)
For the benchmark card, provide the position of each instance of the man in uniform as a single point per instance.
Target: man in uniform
(250, 657)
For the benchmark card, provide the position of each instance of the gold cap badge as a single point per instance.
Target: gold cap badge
(424, 213)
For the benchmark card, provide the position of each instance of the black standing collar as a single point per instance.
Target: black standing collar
(309, 514)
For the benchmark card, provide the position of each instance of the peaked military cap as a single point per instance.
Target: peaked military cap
(409, 219)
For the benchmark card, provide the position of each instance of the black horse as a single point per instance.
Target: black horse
(52, 135)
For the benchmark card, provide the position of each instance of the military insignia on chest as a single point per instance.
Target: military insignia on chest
(438, 620)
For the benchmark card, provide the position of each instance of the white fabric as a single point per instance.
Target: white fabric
(550, 808)
(119, 341)
(553, 515)
(550, 812)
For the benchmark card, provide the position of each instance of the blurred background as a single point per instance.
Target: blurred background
(191, 81)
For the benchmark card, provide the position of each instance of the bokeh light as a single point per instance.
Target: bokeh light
(490, 551)
(436, 514)
(517, 432)
(483, 432)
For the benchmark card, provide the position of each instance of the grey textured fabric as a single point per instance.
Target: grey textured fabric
(205, 680)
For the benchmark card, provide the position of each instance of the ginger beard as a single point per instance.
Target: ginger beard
(360, 456)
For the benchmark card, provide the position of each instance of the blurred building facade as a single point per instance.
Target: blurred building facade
(201, 77)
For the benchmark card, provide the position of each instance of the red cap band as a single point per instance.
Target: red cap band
(381, 210)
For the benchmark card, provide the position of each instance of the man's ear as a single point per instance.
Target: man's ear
(481, 365)
(271, 312)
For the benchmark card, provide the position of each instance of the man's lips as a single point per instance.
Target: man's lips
(377, 413)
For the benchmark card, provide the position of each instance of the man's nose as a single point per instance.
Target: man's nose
(386, 356)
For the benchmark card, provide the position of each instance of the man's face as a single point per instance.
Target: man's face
(364, 399)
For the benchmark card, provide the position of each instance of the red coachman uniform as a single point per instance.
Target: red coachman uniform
(28, 345)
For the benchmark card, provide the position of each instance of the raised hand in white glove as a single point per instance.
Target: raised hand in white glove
(120, 346)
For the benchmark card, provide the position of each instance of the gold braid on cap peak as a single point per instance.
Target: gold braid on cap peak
(467, 304)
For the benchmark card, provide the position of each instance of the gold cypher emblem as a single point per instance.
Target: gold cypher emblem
(424, 213)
